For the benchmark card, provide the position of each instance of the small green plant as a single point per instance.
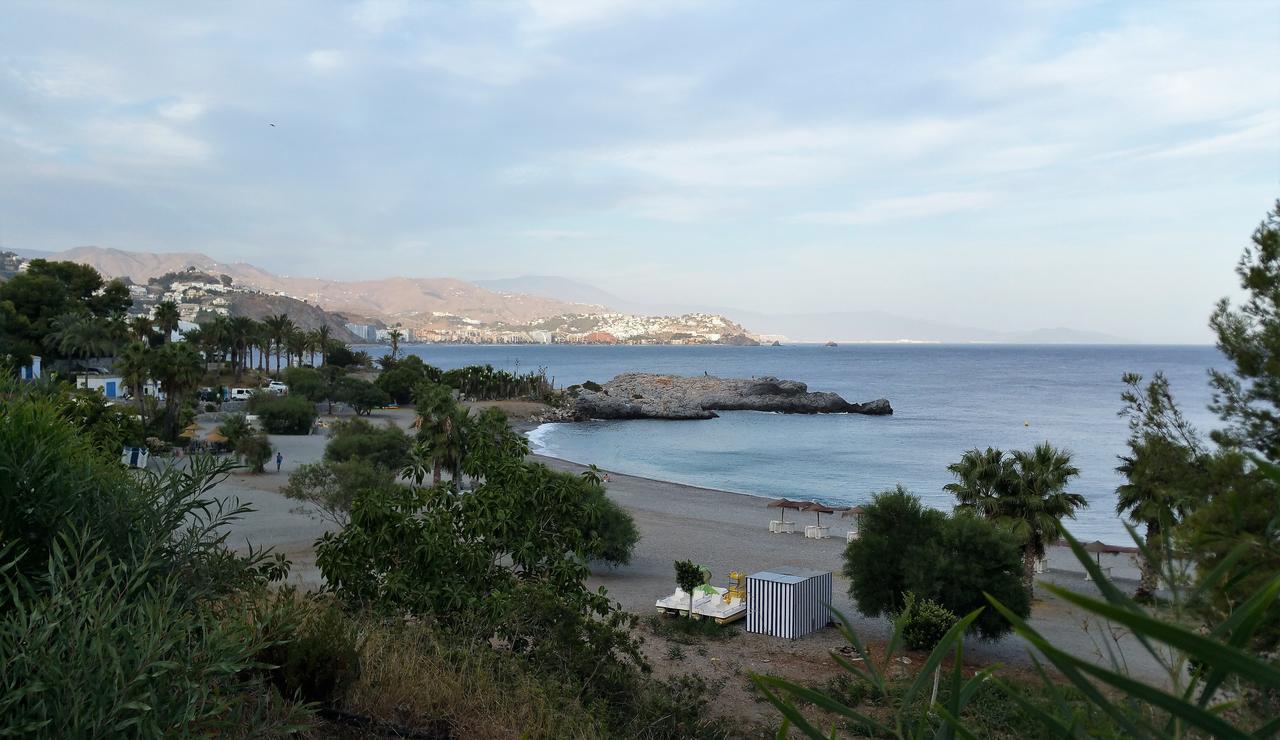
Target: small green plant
(689, 631)
(675, 653)
(593, 386)
(926, 623)
(688, 578)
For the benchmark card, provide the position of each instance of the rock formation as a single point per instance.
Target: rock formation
(650, 396)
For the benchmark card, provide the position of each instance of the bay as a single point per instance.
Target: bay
(946, 399)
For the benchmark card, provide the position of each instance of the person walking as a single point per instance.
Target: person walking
(279, 460)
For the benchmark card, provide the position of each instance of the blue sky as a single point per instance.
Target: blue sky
(1010, 166)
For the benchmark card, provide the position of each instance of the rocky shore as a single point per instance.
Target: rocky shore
(652, 396)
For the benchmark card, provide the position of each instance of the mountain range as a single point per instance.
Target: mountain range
(527, 299)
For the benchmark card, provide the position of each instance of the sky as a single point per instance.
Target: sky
(1005, 165)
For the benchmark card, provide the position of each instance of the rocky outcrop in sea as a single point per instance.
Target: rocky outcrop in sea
(651, 396)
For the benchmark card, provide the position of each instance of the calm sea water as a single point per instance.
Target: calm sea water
(946, 399)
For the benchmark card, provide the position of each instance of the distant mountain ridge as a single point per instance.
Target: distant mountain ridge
(523, 301)
(838, 326)
(390, 298)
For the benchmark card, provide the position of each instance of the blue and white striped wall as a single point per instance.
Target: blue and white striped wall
(788, 603)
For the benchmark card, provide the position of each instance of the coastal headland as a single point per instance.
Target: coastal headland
(676, 397)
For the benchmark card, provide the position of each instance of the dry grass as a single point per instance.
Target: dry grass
(408, 677)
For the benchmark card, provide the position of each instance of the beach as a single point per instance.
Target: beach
(720, 530)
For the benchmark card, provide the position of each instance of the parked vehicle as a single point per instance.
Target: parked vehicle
(241, 394)
(276, 387)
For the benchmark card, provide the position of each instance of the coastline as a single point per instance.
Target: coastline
(1058, 557)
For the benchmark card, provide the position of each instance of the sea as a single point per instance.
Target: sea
(946, 399)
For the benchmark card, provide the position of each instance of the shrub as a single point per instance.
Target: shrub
(322, 658)
(255, 449)
(332, 486)
(593, 386)
(235, 428)
(616, 531)
(361, 395)
(892, 553)
(976, 558)
(286, 414)
(116, 647)
(926, 623)
(210, 408)
(307, 383)
(398, 382)
(385, 446)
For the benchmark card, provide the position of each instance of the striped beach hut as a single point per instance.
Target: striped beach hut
(788, 603)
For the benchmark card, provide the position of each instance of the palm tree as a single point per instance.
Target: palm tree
(134, 366)
(178, 369)
(323, 336)
(142, 328)
(434, 404)
(240, 334)
(278, 327)
(1155, 496)
(295, 342)
(1025, 491)
(447, 443)
(81, 335)
(166, 319)
(395, 335)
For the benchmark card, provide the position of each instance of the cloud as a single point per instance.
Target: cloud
(483, 63)
(327, 60)
(1261, 133)
(182, 110)
(908, 207)
(376, 16)
(552, 15)
(143, 143)
(556, 234)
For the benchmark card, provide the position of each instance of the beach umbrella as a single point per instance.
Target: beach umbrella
(784, 504)
(216, 437)
(1097, 547)
(818, 509)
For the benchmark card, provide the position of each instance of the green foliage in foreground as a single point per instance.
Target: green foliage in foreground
(1097, 697)
(122, 612)
(506, 560)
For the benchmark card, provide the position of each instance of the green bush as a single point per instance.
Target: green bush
(615, 530)
(905, 547)
(285, 414)
(591, 385)
(361, 395)
(121, 610)
(926, 623)
(235, 428)
(321, 660)
(398, 382)
(255, 449)
(332, 486)
(384, 446)
(115, 648)
(308, 383)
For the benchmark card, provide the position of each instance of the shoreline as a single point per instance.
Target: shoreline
(1067, 563)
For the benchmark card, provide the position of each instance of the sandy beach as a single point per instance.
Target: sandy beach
(720, 530)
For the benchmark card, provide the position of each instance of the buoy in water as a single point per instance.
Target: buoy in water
(1026, 423)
